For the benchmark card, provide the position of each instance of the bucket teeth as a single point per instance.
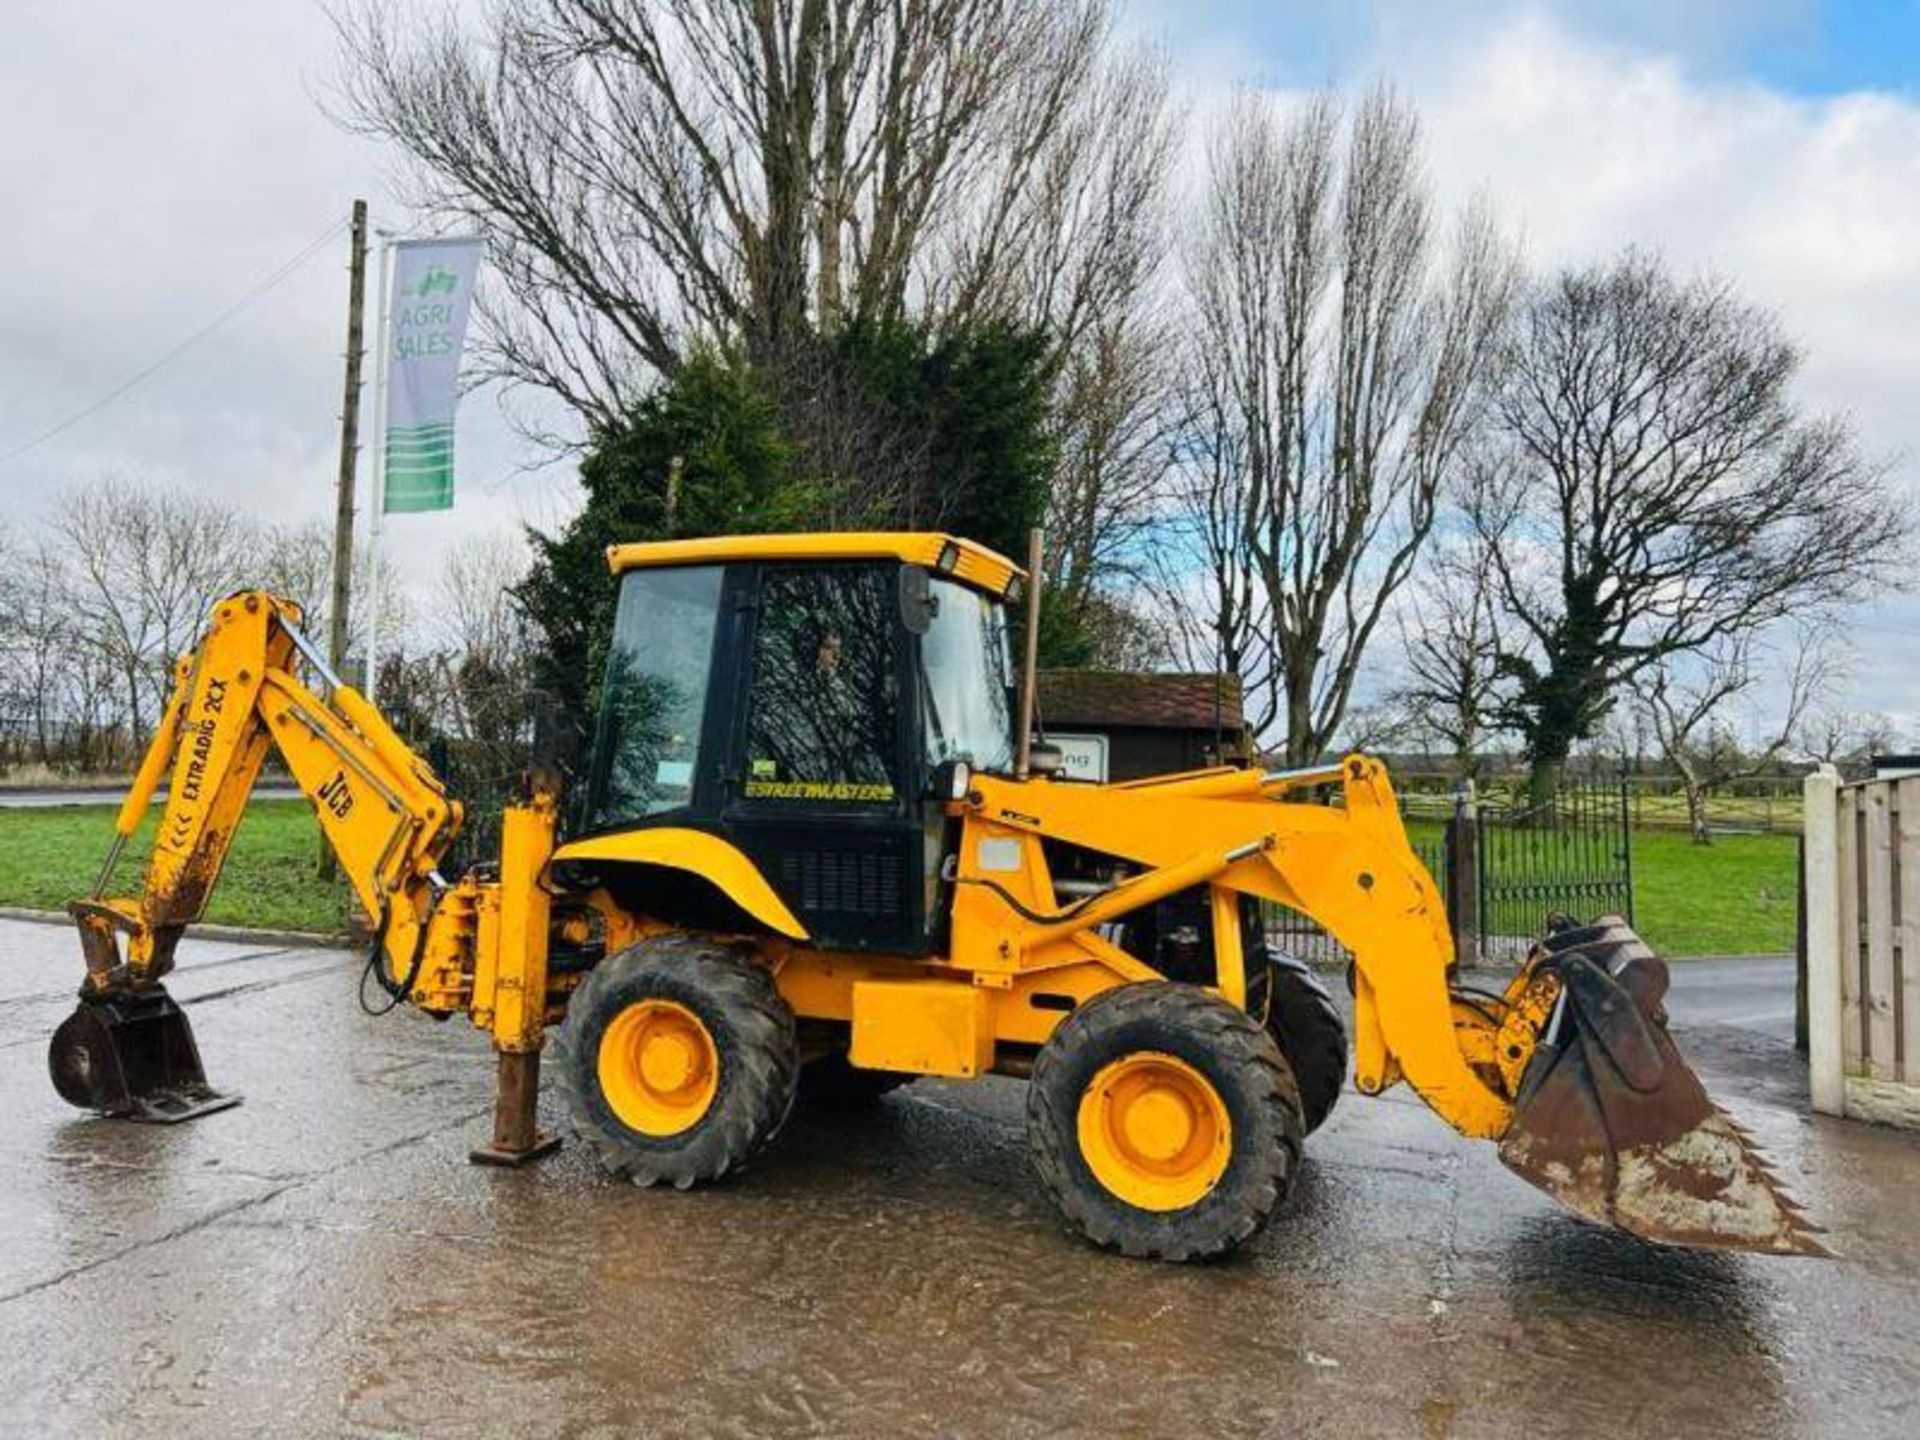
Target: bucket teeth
(1611, 1122)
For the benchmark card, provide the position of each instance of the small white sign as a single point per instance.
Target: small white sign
(1085, 756)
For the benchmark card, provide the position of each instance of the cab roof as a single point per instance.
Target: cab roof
(965, 561)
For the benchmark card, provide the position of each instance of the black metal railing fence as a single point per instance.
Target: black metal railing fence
(1502, 866)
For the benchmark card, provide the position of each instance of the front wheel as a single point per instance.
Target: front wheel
(1163, 1122)
(677, 1060)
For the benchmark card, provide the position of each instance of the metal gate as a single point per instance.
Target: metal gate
(1573, 856)
(1512, 865)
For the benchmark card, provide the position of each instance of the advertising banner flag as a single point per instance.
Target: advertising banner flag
(426, 326)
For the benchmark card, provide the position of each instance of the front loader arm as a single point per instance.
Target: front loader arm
(385, 815)
(1352, 870)
(1571, 1069)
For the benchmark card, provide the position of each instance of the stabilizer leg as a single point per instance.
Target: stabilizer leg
(517, 1137)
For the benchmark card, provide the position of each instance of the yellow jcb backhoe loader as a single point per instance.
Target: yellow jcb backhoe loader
(817, 853)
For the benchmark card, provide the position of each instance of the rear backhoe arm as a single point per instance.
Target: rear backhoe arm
(478, 945)
(235, 696)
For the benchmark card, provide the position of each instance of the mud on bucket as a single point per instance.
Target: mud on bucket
(133, 1056)
(1612, 1123)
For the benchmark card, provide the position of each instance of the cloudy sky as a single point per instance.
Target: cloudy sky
(163, 160)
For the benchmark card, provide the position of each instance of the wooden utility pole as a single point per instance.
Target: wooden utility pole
(337, 618)
(337, 628)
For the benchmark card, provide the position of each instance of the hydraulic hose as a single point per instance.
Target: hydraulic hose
(397, 991)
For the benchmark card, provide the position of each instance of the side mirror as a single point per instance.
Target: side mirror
(918, 604)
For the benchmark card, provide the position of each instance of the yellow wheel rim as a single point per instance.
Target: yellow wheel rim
(658, 1067)
(1154, 1131)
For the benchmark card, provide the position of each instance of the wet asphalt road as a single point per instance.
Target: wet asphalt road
(1752, 993)
(322, 1260)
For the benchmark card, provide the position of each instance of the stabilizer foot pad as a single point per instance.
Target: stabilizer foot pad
(543, 1146)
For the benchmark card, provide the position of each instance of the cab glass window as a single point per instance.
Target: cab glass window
(655, 695)
(964, 680)
(823, 704)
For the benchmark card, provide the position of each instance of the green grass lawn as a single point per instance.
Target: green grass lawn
(271, 880)
(1734, 897)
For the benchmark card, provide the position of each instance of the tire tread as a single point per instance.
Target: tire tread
(748, 1112)
(1247, 1195)
(1306, 1024)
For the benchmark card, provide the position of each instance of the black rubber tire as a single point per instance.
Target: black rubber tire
(833, 1083)
(1236, 1056)
(752, 1030)
(1305, 1023)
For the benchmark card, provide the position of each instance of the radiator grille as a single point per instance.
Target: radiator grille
(843, 882)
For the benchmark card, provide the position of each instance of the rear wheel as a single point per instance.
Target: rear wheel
(1163, 1122)
(1306, 1025)
(677, 1060)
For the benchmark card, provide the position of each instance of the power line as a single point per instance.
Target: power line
(260, 288)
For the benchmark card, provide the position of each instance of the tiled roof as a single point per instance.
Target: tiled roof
(1155, 700)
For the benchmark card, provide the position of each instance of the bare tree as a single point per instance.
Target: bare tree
(296, 561)
(1378, 725)
(95, 610)
(1217, 616)
(482, 646)
(1847, 739)
(62, 698)
(1072, 243)
(16, 691)
(1113, 425)
(1062, 226)
(649, 174)
(1338, 360)
(1450, 637)
(1692, 721)
(475, 612)
(146, 563)
(1653, 492)
(1624, 741)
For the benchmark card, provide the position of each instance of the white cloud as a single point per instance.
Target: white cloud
(163, 157)
(1811, 206)
(161, 160)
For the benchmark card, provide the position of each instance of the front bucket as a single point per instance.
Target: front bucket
(132, 1055)
(1611, 1122)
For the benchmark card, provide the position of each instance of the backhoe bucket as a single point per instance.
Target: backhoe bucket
(132, 1055)
(1611, 1122)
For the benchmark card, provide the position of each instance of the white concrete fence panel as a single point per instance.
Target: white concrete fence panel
(1863, 946)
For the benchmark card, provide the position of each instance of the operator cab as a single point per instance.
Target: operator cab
(802, 698)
